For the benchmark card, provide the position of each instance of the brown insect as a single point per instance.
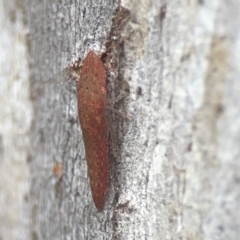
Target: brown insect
(91, 89)
(57, 170)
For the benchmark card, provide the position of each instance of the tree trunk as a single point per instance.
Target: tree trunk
(174, 146)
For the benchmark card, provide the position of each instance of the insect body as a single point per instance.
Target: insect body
(91, 111)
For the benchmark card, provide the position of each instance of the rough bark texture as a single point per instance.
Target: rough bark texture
(16, 115)
(174, 166)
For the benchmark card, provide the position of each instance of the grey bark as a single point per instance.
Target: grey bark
(16, 114)
(176, 171)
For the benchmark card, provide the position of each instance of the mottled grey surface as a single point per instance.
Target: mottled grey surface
(176, 174)
(16, 115)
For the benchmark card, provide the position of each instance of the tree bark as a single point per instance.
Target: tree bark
(174, 160)
(16, 115)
